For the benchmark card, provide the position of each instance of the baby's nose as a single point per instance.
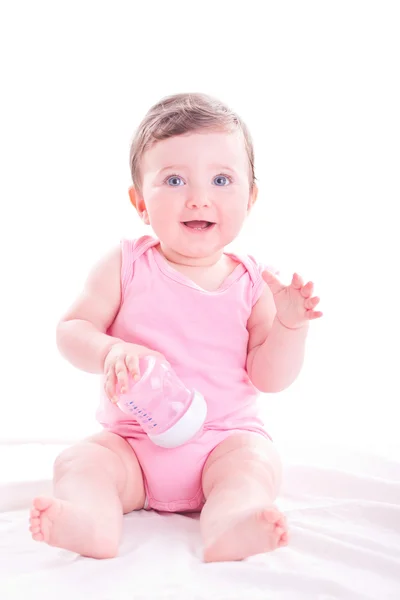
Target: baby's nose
(198, 200)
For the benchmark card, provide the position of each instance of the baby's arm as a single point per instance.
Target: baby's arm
(81, 336)
(275, 353)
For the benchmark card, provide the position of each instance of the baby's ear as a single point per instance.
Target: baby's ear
(133, 196)
(252, 197)
(138, 202)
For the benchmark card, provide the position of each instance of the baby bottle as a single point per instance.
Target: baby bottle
(167, 411)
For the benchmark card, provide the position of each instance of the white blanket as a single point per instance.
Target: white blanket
(343, 510)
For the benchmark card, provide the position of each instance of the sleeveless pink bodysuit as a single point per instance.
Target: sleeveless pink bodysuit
(204, 337)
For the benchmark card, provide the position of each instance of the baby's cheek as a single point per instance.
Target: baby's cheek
(233, 220)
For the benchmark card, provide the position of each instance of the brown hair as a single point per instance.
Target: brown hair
(183, 113)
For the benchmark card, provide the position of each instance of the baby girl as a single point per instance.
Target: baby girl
(228, 327)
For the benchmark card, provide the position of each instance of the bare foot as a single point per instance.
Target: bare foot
(60, 523)
(256, 533)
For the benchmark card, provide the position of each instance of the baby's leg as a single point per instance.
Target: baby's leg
(95, 483)
(241, 479)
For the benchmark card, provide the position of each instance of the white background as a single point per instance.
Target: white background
(318, 85)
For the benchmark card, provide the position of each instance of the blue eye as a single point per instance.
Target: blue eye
(222, 177)
(176, 181)
(174, 177)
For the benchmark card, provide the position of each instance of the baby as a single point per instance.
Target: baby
(228, 327)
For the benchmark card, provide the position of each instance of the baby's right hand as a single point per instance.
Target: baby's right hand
(121, 361)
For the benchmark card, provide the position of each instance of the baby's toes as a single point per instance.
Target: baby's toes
(35, 527)
(281, 530)
(37, 533)
(284, 539)
(34, 522)
(272, 515)
(281, 522)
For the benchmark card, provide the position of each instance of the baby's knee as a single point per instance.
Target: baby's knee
(80, 456)
(247, 462)
(244, 457)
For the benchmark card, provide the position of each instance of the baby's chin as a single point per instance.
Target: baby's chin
(191, 253)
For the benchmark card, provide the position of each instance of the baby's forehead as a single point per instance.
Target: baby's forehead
(196, 147)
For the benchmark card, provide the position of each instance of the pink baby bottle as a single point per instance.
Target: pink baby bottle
(167, 411)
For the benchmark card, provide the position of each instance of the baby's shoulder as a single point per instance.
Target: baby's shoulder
(254, 266)
(255, 270)
(135, 247)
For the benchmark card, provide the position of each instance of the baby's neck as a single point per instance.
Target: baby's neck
(189, 261)
(208, 272)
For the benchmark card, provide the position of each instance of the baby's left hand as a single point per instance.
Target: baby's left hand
(293, 302)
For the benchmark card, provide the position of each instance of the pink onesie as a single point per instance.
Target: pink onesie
(204, 337)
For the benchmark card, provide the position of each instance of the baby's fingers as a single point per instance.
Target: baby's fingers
(110, 385)
(122, 374)
(132, 362)
(311, 303)
(314, 314)
(307, 290)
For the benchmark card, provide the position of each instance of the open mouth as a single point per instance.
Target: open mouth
(198, 225)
